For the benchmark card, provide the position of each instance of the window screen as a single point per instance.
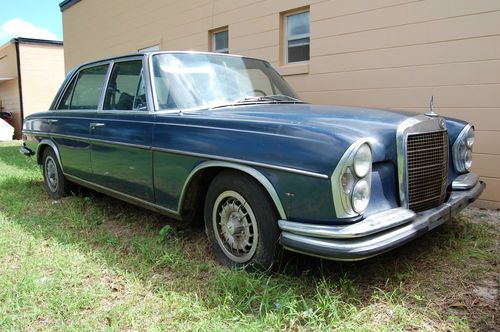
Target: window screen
(220, 41)
(297, 37)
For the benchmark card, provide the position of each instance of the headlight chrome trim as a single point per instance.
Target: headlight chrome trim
(459, 145)
(342, 200)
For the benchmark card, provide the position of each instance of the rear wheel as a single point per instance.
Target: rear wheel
(241, 222)
(55, 182)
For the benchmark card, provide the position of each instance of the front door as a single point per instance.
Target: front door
(121, 134)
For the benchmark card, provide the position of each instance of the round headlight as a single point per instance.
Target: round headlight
(360, 196)
(468, 159)
(469, 139)
(363, 161)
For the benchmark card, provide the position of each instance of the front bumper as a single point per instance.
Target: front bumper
(376, 234)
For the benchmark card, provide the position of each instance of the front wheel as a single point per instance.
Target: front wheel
(241, 222)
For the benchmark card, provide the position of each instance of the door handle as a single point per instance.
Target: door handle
(95, 125)
(52, 121)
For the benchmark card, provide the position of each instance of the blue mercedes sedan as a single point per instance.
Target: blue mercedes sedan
(225, 139)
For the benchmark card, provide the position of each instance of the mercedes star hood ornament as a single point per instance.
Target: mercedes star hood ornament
(431, 112)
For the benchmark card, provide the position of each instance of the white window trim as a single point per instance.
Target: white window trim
(222, 50)
(294, 37)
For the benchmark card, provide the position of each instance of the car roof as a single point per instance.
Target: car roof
(143, 54)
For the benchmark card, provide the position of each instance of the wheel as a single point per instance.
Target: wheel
(57, 186)
(241, 222)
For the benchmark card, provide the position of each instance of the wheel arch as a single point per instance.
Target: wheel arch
(214, 167)
(44, 144)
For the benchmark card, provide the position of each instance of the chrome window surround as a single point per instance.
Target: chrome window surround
(415, 125)
(459, 164)
(73, 75)
(341, 203)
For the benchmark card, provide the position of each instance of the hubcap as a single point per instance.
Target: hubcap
(235, 226)
(51, 173)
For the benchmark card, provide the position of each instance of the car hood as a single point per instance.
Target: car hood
(302, 136)
(340, 124)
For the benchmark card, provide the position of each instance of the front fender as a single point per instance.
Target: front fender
(246, 169)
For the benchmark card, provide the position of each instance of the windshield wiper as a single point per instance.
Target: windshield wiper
(261, 99)
(267, 98)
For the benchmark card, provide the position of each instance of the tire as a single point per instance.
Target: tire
(56, 184)
(241, 222)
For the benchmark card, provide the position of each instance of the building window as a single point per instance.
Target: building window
(220, 41)
(296, 36)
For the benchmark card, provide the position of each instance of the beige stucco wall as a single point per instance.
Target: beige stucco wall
(9, 91)
(42, 72)
(8, 61)
(377, 53)
(9, 96)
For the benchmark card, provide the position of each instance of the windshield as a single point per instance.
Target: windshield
(193, 80)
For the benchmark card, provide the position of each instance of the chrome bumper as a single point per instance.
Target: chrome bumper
(26, 151)
(376, 234)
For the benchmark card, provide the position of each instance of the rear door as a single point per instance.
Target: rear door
(121, 133)
(73, 114)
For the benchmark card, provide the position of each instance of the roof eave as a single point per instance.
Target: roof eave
(67, 4)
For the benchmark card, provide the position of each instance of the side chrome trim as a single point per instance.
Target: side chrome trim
(90, 140)
(77, 138)
(414, 125)
(373, 224)
(53, 146)
(124, 197)
(465, 181)
(130, 145)
(33, 132)
(193, 154)
(250, 171)
(241, 161)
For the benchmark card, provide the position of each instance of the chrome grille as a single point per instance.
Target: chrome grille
(427, 162)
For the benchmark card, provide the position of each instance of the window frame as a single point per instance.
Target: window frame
(141, 78)
(213, 42)
(74, 74)
(75, 78)
(286, 38)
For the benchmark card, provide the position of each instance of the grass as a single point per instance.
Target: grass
(91, 262)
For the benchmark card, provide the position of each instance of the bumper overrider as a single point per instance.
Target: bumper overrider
(377, 233)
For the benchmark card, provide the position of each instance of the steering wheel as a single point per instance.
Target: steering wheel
(260, 91)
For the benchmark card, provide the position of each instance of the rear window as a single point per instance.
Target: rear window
(84, 92)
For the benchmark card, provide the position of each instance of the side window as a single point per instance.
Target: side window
(66, 99)
(140, 96)
(125, 88)
(87, 90)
